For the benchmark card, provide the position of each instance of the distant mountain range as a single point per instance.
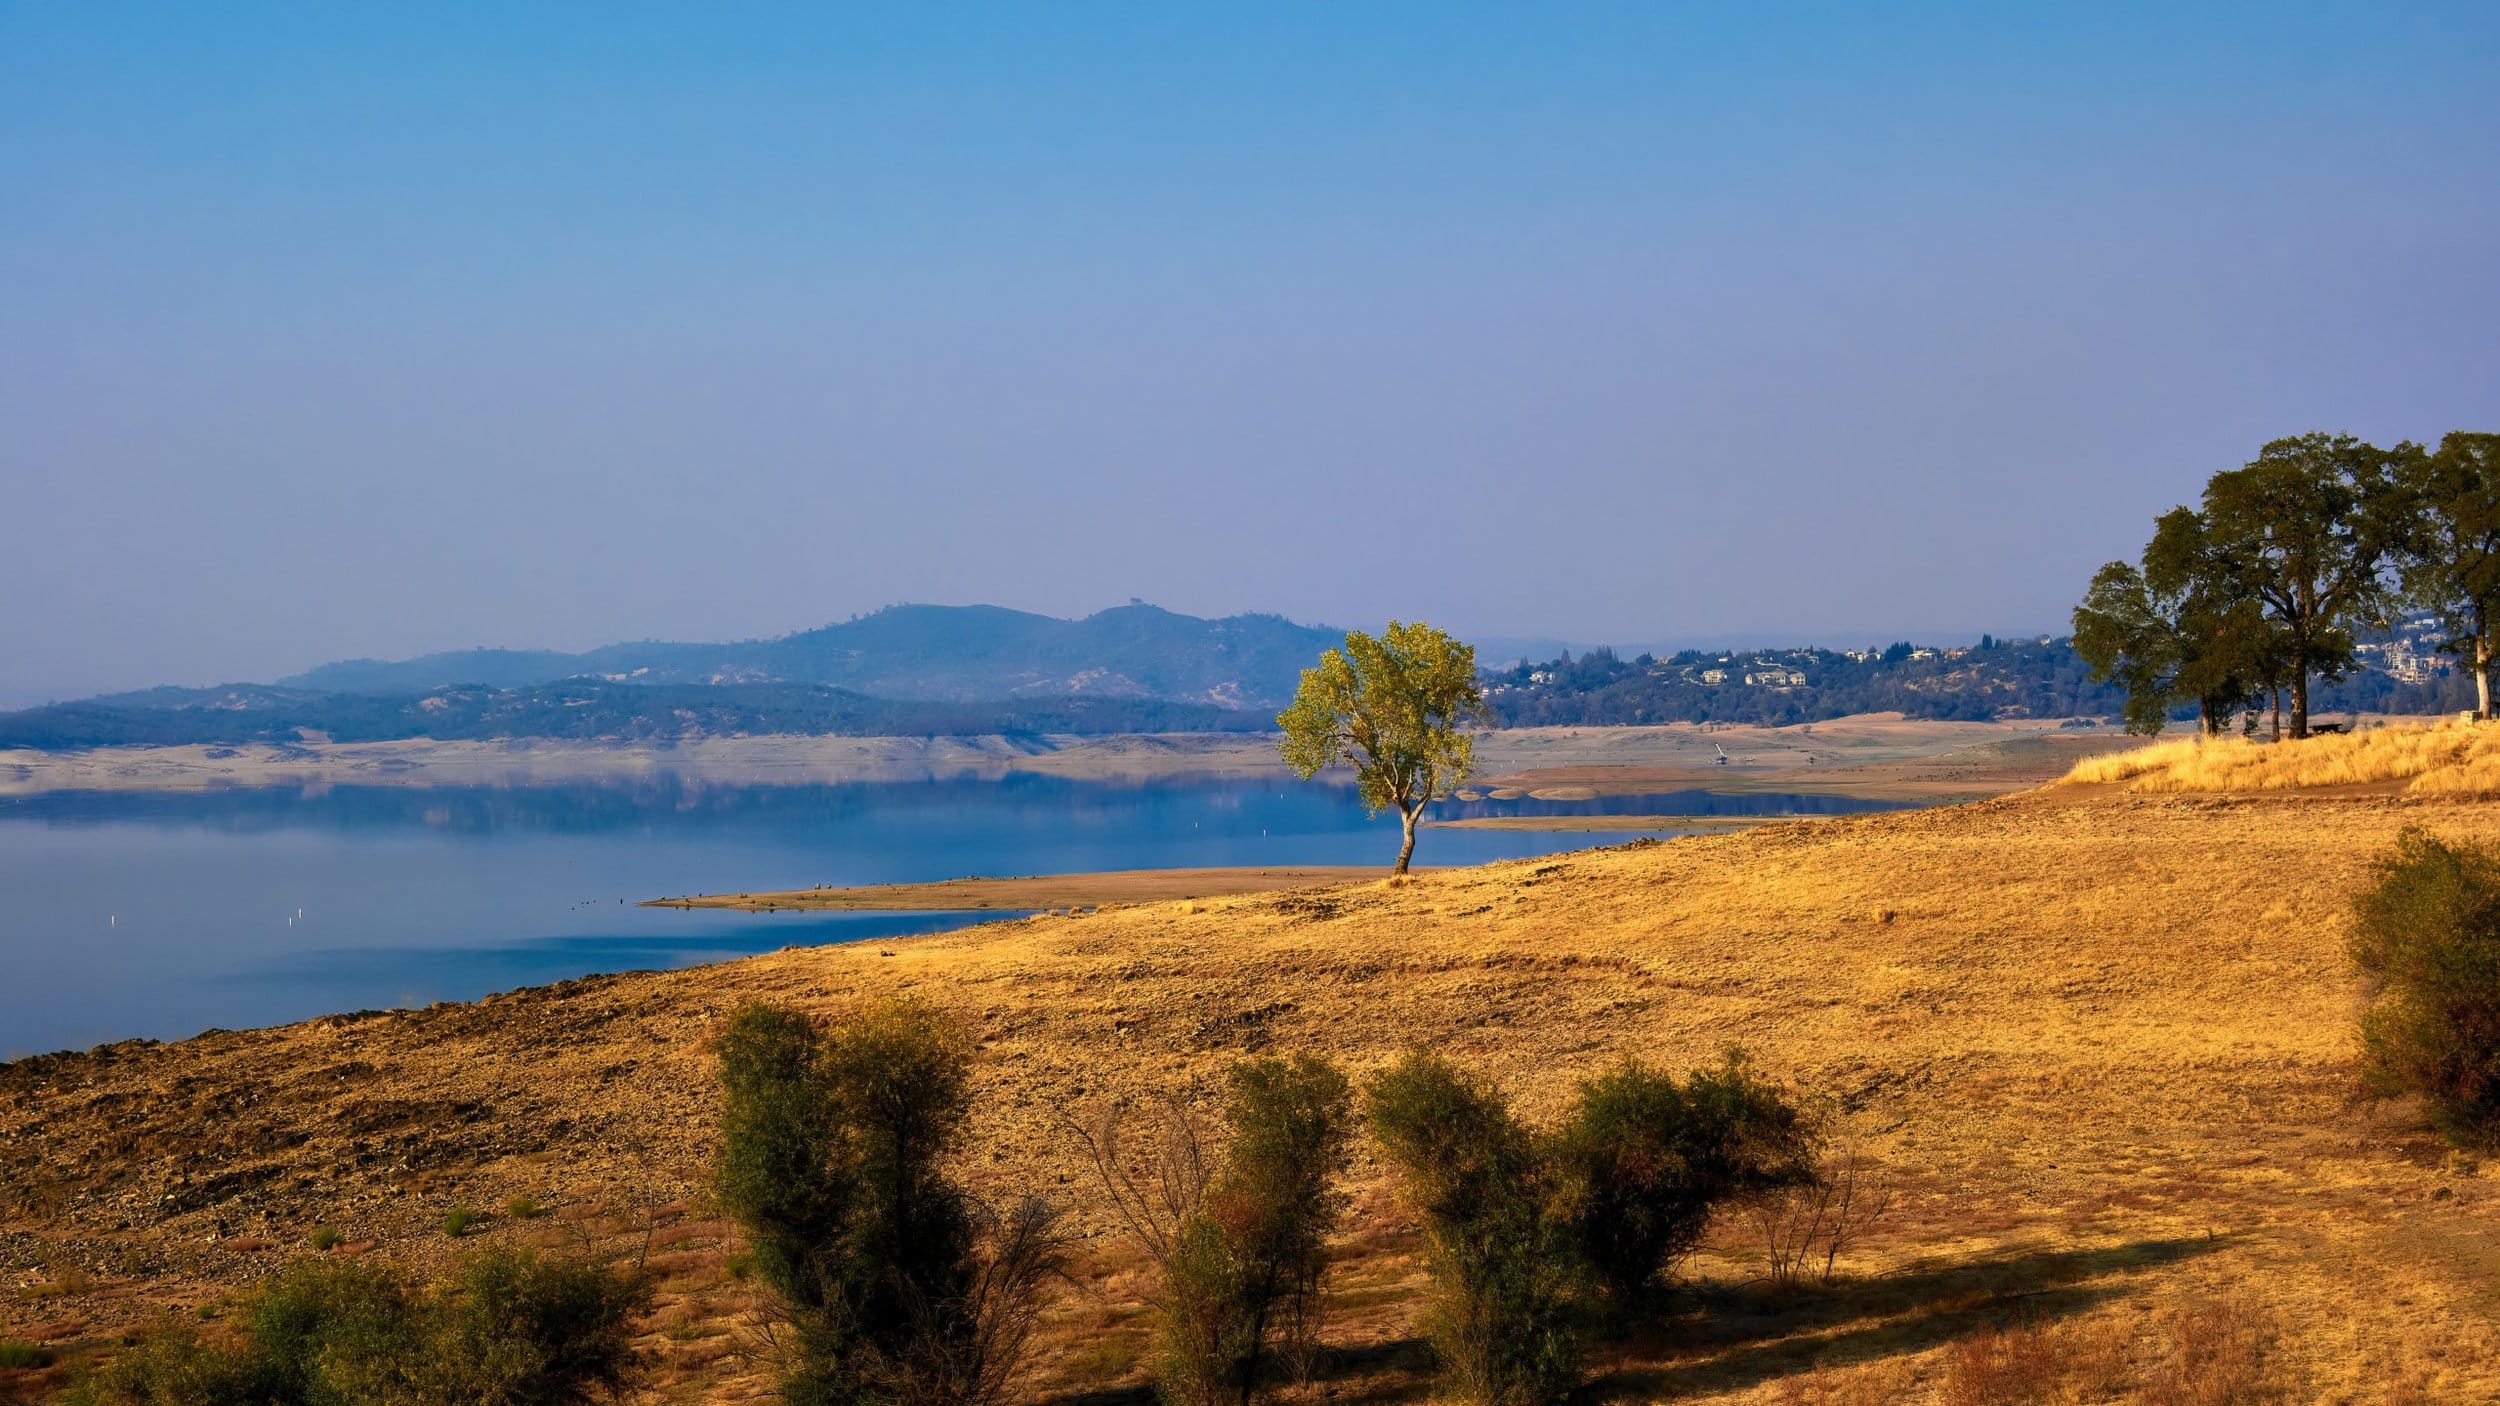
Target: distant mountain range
(908, 671)
(928, 670)
(926, 652)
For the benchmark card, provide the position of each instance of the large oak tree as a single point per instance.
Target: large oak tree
(2305, 530)
(2450, 544)
(2173, 630)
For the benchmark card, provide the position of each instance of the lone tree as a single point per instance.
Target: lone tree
(2304, 529)
(2450, 544)
(1396, 708)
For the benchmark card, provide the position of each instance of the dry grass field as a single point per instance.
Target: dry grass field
(2099, 1041)
(2451, 759)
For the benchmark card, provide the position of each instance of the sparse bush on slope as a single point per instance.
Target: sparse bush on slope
(895, 1284)
(1506, 1273)
(1528, 1236)
(510, 1329)
(1240, 1244)
(1645, 1161)
(2426, 936)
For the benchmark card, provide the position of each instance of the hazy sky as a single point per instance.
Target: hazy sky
(325, 332)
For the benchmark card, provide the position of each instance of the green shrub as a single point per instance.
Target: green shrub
(897, 1283)
(1241, 1247)
(1645, 1161)
(321, 1324)
(323, 1237)
(2426, 936)
(524, 1331)
(22, 1355)
(523, 1207)
(1506, 1273)
(458, 1220)
(509, 1329)
(177, 1368)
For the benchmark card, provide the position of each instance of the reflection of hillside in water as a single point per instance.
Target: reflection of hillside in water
(677, 801)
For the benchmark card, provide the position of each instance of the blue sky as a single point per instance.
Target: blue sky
(328, 330)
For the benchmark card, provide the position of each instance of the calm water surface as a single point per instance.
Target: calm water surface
(164, 914)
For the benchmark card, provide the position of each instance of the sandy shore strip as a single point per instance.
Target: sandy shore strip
(1044, 891)
(1567, 823)
(1877, 756)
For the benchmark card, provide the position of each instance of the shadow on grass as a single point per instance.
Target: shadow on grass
(1734, 1338)
(1399, 1370)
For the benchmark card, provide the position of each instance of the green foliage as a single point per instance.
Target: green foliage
(508, 1330)
(1397, 709)
(2448, 536)
(323, 1237)
(2304, 531)
(831, 1150)
(178, 1368)
(523, 1207)
(22, 1355)
(458, 1220)
(2426, 936)
(1645, 1160)
(2175, 629)
(1243, 1275)
(1506, 1273)
(1527, 1236)
(336, 1331)
(524, 1331)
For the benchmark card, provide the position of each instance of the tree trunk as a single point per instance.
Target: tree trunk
(2300, 705)
(1407, 851)
(2278, 715)
(2482, 676)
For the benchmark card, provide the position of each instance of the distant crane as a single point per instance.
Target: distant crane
(1722, 751)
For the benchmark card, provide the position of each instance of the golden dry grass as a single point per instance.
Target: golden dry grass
(2100, 1041)
(2451, 759)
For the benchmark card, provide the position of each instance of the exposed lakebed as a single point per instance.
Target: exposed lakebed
(162, 913)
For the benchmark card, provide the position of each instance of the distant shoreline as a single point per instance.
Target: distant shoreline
(1875, 757)
(1041, 891)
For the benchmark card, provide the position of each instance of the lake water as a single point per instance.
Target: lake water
(160, 914)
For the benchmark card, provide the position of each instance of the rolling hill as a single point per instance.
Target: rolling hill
(931, 652)
(2098, 1042)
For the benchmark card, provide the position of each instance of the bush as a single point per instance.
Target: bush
(509, 1329)
(1242, 1247)
(176, 1368)
(2426, 936)
(457, 1221)
(22, 1355)
(1506, 1270)
(523, 1208)
(895, 1283)
(323, 1238)
(524, 1331)
(1645, 1161)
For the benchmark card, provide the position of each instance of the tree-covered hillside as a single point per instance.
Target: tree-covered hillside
(2031, 678)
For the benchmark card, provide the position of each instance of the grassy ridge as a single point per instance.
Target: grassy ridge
(2450, 759)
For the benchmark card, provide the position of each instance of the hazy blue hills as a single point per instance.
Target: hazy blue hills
(923, 652)
(583, 709)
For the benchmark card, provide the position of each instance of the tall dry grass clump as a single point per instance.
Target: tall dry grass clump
(2453, 759)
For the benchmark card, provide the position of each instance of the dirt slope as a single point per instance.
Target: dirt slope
(2101, 1041)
